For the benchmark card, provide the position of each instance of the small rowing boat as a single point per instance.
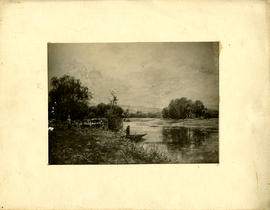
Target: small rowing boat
(136, 137)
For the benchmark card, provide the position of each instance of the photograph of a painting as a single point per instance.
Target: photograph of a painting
(133, 103)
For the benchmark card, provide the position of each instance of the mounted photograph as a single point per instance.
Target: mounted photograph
(133, 103)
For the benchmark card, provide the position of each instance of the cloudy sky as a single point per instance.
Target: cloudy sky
(141, 74)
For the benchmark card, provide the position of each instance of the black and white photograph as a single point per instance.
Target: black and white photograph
(133, 103)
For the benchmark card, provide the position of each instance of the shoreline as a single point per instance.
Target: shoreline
(97, 146)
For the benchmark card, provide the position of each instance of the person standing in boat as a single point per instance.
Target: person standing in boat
(69, 122)
(128, 130)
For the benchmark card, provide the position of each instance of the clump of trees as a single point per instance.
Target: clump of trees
(113, 113)
(181, 108)
(68, 97)
(104, 110)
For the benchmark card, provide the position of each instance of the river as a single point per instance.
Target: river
(184, 141)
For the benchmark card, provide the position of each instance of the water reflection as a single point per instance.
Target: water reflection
(184, 137)
(191, 144)
(183, 144)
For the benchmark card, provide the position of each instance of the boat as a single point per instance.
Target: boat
(136, 137)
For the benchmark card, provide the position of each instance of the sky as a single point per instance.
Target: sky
(141, 74)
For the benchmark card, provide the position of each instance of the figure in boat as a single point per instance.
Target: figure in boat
(128, 131)
(135, 137)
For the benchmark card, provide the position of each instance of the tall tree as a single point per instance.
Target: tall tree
(68, 97)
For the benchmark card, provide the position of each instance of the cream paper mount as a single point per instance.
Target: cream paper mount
(240, 180)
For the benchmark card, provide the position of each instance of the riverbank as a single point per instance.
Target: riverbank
(97, 146)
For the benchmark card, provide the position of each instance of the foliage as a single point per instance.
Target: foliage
(114, 117)
(198, 108)
(68, 97)
(140, 114)
(210, 113)
(96, 146)
(113, 113)
(184, 108)
(126, 113)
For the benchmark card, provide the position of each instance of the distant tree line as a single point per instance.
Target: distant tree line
(181, 108)
(140, 114)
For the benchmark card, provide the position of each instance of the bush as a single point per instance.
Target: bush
(184, 108)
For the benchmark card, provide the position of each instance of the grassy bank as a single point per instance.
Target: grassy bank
(96, 146)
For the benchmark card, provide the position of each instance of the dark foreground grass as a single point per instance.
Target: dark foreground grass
(96, 146)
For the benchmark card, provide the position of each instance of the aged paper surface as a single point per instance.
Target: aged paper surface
(242, 178)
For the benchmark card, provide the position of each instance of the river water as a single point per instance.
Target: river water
(184, 141)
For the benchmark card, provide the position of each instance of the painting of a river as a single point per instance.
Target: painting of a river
(133, 103)
(184, 141)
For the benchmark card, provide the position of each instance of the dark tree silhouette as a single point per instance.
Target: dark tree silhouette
(68, 97)
(181, 108)
(198, 108)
